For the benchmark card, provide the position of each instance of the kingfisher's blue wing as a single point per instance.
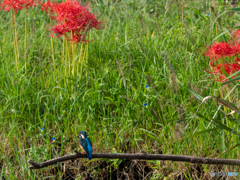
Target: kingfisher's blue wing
(90, 142)
(89, 148)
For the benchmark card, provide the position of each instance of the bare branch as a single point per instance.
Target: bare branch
(142, 156)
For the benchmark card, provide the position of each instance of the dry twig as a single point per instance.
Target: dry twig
(143, 156)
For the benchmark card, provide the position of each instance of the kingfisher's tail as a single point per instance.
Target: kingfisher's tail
(89, 156)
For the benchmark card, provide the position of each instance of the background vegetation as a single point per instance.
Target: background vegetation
(144, 42)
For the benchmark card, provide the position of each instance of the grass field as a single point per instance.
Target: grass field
(143, 42)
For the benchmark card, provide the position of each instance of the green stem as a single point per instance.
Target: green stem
(14, 42)
(52, 47)
(25, 42)
(15, 26)
(80, 60)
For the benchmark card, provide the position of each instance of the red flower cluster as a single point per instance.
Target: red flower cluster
(221, 52)
(6, 5)
(230, 68)
(71, 17)
(222, 49)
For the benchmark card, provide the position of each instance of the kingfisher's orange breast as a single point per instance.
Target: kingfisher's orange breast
(82, 148)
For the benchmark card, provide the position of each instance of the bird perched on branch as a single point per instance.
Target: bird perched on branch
(85, 144)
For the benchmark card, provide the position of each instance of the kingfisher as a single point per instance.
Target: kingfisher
(85, 144)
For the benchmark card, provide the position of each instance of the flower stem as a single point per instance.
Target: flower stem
(69, 59)
(52, 47)
(66, 59)
(15, 26)
(14, 42)
(79, 62)
(85, 54)
(182, 16)
(25, 42)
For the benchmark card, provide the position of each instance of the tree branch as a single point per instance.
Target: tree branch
(143, 156)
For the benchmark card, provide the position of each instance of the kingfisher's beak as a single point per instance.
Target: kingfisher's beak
(77, 136)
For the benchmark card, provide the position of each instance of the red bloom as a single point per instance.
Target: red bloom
(222, 49)
(71, 17)
(230, 68)
(59, 30)
(6, 5)
(48, 6)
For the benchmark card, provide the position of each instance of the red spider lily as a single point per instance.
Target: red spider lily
(6, 5)
(218, 53)
(230, 68)
(222, 49)
(71, 17)
(78, 38)
(59, 30)
(48, 6)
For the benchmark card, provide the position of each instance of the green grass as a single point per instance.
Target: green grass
(109, 107)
